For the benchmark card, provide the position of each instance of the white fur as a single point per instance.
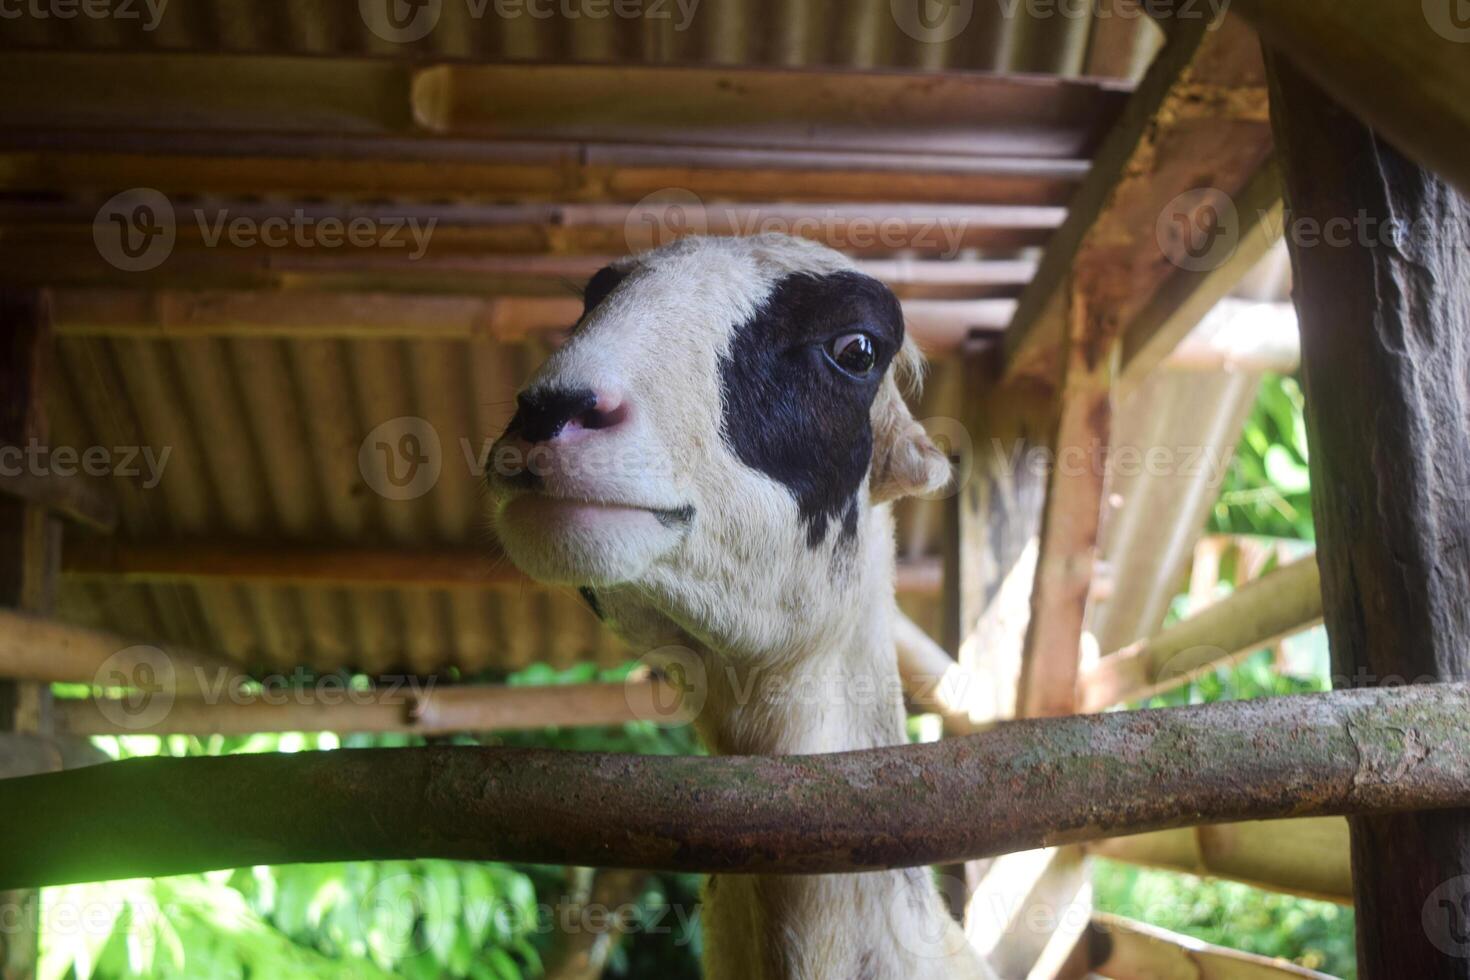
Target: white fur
(795, 641)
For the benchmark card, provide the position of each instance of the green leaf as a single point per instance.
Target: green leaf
(1286, 473)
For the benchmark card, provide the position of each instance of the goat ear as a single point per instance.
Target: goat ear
(905, 461)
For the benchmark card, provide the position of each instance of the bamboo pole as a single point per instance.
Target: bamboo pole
(1301, 857)
(45, 650)
(78, 498)
(282, 564)
(1025, 785)
(1136, 951)
(431, 711)
(933, 681)
(1258, 614)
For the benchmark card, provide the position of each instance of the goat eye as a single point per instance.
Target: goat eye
(853, 352)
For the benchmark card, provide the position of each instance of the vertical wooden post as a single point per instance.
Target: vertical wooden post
(1385, 321)
(1074, 502)
(992, 525)
(29, 557)
(993, 543)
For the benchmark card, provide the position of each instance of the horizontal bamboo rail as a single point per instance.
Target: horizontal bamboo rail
(48, 651)
(1278, 604)
(433, 711)
(1302, 857)
(1136, 951)
(1024, 785)
(346, 567)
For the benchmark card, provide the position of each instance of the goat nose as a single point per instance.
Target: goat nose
(545, 414)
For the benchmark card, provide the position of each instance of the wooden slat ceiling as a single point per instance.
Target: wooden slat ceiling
(263, 369)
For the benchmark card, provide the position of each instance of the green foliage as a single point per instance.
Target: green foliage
(1316, 935)
(361, 920)
(1268, 490)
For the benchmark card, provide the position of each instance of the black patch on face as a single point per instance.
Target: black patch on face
(600, 287)
(590, 597)
(793, 414)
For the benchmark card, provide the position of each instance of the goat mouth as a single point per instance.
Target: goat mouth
(673, 518)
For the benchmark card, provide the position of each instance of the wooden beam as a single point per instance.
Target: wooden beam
(352, 567)
(1071, 520)
(956, 112)
(1301, 857)
(483, 275)
(1187, 297)
(940, 326)
(76, 497)
(46, 651)
(1235, 336)
(1197, 120)
(1019, 787)
(234, 232)
(1279, 604)
(1136, 951)
(993, 526)
(808, 108)
(433, 710)
(1401, 67)
(287, 565)
(1386, 367)
(182, 164)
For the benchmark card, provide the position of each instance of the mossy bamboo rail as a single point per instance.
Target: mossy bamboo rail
(1023, 785)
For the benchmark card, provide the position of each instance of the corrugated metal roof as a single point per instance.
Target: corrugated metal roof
(263, 438)
(264, 432)
(978, 35)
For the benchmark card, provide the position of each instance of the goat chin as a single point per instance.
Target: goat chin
(569, 543)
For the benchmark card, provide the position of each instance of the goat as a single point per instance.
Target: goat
(709, 459)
